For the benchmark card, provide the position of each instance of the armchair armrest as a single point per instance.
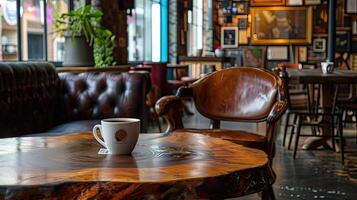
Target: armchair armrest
(169, 108)
(277, 111)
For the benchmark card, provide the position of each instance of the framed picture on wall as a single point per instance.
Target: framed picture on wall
(300, 54)
(343, 41)
(319, 45)
(229, 37)
(320, 19)
(351, 6)
(278, 53)
(254, 56)
(242, 37)
(281, 25)
(242, 23)
(267, 2)
(312, 2)
(242, 7)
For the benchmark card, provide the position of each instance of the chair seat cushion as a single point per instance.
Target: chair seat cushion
(237, 136)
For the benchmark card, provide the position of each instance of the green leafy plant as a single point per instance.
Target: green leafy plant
(86, 22)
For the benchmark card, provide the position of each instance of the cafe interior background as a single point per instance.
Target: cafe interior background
(257, 33)
(263, 33)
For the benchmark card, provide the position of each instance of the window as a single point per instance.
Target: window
(147, 31)
(195, 31)
(35, 38)
(8, 30)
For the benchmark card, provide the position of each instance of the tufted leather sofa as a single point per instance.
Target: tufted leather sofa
(35, 99)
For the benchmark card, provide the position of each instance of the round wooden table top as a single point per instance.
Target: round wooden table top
(193, 165)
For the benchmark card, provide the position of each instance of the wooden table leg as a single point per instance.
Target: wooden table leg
(326, 141)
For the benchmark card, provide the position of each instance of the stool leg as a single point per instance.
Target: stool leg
(292, 131)
(297, 136)
(286, 127)
(340, 130)
(333, 133)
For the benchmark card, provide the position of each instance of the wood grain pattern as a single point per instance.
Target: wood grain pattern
(178, 166)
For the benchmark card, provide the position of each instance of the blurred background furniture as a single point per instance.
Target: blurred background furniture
(159, 87)
(327, 82)
(214, 98)
(195, 63)
(36, 99)
(301, 97)
(308, 115)
(180, 77)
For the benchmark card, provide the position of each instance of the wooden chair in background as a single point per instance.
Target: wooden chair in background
(301, 98)
(310, 116)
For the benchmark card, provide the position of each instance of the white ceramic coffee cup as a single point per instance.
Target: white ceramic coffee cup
(327, 67)
(120, 134)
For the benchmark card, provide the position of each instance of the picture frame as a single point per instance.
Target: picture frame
(340, 12)
(224, 3)
(351, 7)
(242, 7)
(343, 41)
(300, 54)
(320, 19)
(319, 45)
(242, 37)
(273, 25)
(312, 2)
(242, 23)
(267, 2)
(294, 2)
(229, 37)
(254, 56)
(278, 53)
(315, 56)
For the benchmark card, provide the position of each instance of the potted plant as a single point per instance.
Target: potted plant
(85, 38)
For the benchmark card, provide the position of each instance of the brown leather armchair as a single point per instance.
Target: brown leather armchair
(235, 94)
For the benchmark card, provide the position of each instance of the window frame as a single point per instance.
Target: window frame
(44, 31)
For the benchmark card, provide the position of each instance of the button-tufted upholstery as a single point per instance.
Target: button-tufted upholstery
(34, 98)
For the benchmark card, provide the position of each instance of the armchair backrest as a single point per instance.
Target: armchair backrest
(237, 94)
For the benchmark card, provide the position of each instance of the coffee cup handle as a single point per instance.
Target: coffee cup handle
(95, 134)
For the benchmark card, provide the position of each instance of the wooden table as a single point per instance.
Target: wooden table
(315, 76)
(180, 166)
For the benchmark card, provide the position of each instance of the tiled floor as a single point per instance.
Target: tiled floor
(313, 175)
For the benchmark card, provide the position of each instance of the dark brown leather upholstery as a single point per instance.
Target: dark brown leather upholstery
(34, 98)
(234, 94)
